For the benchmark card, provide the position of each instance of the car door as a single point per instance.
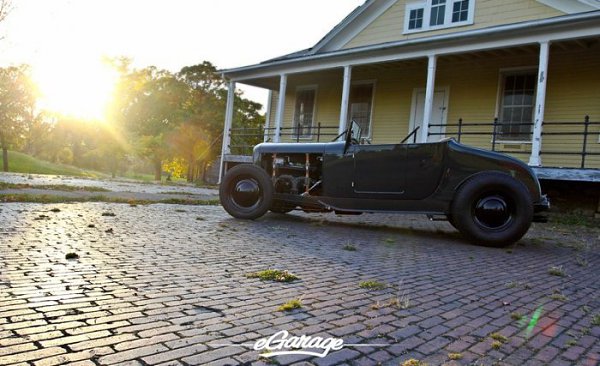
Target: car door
(424, 167)
(379, 171)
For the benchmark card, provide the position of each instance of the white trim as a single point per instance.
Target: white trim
(226, 129)
(427, 6)
(577, 26)
(280, 107)
(345, 98)
(314, 87)
(353, 25)
(502, 73)
(429, 93)
(571, 6)
(540, 104)
(373, 83)
(413, 106)
(268, 116)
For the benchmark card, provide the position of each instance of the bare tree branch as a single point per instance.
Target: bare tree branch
(5, 8)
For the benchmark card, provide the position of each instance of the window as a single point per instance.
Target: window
(438, 14)
(416, 19)
(304, 112)
(460, 11)
(359, 106)
(516, 110)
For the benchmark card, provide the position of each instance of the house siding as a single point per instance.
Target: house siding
(389, 26)
(573, 91)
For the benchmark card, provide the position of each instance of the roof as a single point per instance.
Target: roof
(499, 30)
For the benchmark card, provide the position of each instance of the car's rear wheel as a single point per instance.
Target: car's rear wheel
(246, 192)
(492, 209)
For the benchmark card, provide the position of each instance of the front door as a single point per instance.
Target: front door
(438, 116)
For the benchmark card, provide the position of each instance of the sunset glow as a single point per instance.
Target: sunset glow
(80, 88)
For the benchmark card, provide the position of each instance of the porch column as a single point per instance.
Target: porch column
(268, 116)
(540, 104)
(429, 93)
(225, 150)
(280, 108)
(345, 98)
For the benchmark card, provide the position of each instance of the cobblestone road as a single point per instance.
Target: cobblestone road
(166, 284)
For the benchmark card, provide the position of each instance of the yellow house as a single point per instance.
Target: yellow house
(516, 76)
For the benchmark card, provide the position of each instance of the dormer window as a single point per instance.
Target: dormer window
(438, 14)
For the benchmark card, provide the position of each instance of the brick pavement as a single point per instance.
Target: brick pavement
(167, 284)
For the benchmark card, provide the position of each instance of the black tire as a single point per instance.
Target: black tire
(246, 192)
(492, 209)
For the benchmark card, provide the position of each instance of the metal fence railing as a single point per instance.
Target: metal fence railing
(243, 139)
(575, 142)
(564, 138)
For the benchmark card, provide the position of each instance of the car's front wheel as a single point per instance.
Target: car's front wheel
(492, 209)
(246, 192)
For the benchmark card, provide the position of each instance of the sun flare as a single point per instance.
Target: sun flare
(77, 88)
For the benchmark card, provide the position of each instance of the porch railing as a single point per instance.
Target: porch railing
(566, 138)
(578, 142)
(243, 139)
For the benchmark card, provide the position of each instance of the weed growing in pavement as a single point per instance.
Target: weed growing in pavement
(372, 285)
(516, 316)
(455, 356)
(498, 337)
(558, 296)
(557, 271)
(273, 275)
(290, 305)
(349, 247)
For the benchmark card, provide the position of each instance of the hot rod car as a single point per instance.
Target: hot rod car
(489, 197)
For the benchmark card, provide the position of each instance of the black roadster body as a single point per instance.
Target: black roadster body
(489, 197)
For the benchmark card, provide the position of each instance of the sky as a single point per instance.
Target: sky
(57, 37)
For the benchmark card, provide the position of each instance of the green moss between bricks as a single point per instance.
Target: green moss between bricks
(273, 275)
(290, 305)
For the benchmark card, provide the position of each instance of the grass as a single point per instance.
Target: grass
(349, 247)
(573, 219)
(496, 345)
(414, 362)
(290, 305)
(48, 198)
(596, 320)
(516, 316)
(23, 163)
(273, 275)
(53, 187)
(372, 285)
(498, 337)
(557, 271)
(455, 356)
(558, 297)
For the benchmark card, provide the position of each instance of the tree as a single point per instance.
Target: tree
(209, 99)
(150, 106)
(5, 8)
(17, 104)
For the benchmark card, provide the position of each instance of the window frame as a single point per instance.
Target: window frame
(502, 74)
(300, 88)
(373, 84)
(426, 5)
